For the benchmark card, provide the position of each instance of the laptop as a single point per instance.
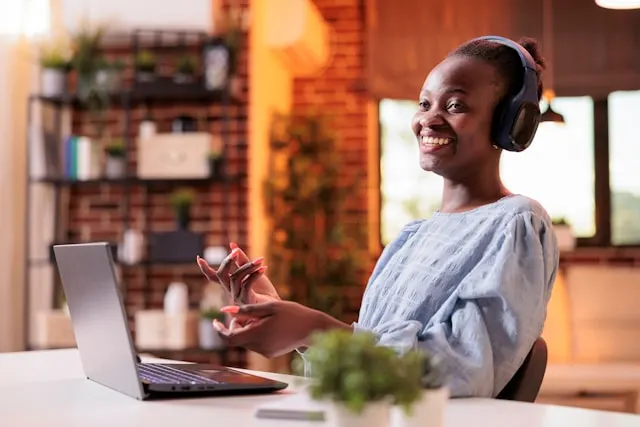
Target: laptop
(104, 341)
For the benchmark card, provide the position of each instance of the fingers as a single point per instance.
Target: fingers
(227, 266)
(207, 270)
(240, 335)
(242, 258)
(252, 310)
(238, 277)
(247, 283)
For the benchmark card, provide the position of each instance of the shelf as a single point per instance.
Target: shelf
(139, 181)
(155, 93)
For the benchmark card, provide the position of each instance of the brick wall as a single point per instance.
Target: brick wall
(96, 211)
(334, 91)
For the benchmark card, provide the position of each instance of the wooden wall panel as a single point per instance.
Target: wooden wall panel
(596, 50)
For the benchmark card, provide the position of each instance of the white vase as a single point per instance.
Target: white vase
(375, 414)
(428, 411)
(176, 299)
(52, 82)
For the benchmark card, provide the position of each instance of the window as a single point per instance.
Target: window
(558, 173)
(557, 169)
(24, 17)
(407, 192)
(624, 167)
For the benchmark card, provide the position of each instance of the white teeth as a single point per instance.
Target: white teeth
(435, 141)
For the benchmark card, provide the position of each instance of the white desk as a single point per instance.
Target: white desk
(48, 388)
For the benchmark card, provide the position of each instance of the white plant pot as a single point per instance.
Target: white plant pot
(115, 167)
(426, 412)
(52, 82)
(375, 414)
(566, 238)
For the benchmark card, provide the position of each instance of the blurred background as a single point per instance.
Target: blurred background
(173, 128)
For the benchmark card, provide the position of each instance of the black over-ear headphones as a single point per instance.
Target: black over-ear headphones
(516, 120)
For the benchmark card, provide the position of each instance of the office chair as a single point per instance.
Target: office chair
(525, 384)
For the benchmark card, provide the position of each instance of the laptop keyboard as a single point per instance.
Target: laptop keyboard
(160, 374)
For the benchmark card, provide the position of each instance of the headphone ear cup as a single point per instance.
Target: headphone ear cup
(497, 123)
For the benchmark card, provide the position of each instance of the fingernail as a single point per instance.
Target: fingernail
(258, 260)
(233, 309)
(216, 324)
(262, 269)
(233, 245)
(234, 253)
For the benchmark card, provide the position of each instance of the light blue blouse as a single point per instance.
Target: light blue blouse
(470, 287)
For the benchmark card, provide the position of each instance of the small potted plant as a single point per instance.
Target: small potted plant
(564, 234)
(145, 64)
(116, 162)
(208, 336)
(358, 380)
(109, 74)
(215, 163)
(55, 65)
(427, 409)
(181, 201)
(185, 69)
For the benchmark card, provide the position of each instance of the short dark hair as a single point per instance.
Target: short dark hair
(505, 60)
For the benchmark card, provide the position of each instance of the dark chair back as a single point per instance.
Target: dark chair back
(525, 384)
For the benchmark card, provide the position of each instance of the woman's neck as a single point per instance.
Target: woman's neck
(458, 196)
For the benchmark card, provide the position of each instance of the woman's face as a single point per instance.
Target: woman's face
(453, 122)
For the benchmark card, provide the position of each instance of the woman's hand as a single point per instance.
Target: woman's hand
(244, 280)
(275, 328)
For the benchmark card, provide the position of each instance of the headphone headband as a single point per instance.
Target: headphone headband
(525, 57)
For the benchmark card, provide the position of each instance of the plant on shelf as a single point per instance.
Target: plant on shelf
(315, 253)
(181, 201)
(215, 160)
(55, 63)
(87, 61)
(185, 69)
(115, 162)
(145, 65)
(230, 23)
(362, 381)
(109, 74)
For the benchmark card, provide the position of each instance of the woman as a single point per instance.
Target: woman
(472, 283)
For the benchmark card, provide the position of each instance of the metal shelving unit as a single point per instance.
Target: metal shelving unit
(163, 92)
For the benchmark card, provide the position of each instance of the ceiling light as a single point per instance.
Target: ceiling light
(619, 4)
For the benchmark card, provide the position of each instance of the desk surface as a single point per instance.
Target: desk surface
(49, 388)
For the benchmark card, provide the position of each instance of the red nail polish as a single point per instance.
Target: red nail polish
(262, 269)
(233, 309)
(233, 245)
(258, 260)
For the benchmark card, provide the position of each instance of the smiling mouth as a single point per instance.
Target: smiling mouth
(432, 141)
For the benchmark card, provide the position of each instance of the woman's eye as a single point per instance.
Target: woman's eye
(423, 105)
(456, 106)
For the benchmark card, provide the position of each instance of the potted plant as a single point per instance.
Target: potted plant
(185, 69)
(215, 163)
(358, 380)
(55, 65)
(208, 336)
(426, 409)
(116, 162)
(181, 201)
(145, 64)
(108, 75)
(564, 234)
(87, 58)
